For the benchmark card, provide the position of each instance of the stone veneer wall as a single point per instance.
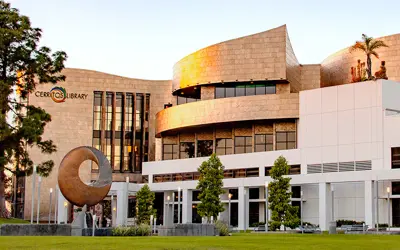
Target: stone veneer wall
(256, 57)
(335, 70)
(207, 92)
(310, 76)
(72, 122)
(292, 67)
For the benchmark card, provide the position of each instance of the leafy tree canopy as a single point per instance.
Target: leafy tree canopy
(210, 185)
(144, 205)
(23, 65)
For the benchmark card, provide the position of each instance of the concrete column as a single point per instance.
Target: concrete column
(168, 216)
(369, 203)
(325, 205)
(187, 206)
(243, 207)
(121, 207)
(113, 212)
(61, 210)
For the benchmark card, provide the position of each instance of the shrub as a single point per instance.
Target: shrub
(140, 230)
(339, 223)
(222, 228)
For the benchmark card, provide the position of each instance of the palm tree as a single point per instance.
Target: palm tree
(369, 46)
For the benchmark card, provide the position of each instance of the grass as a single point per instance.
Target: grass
(12, 221)
(237, 241)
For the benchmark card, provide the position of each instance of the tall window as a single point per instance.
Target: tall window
(97, 120)
(128, 137)
(243, 144)
(204, 148)
(170, 151)
(285, 140)
(396, 157)
(139, 131)
(118, 131)
(108, 145)
(98, 102)
(224, 146)
(246, 89)
(186, 150)
(109, 111)
(264, 143)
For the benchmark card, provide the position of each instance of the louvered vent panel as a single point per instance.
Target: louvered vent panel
(329, 167)
(363, 165)
(346, 166)
(314, 168)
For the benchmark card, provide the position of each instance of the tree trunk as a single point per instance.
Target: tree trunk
(369, 67)
(3, 210)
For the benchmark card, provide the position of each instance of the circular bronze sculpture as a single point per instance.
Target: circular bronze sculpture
(71, 186)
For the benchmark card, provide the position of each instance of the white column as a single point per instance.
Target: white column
(121, 206)
(325, 205)
(243, 209)
(168, 209)
(113, 211)
(187, 206)
(61, 216)
(369, 203)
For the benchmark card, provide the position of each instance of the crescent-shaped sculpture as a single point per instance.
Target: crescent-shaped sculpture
(71, 186)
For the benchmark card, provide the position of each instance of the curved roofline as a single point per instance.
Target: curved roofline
(347, 48)
(284, 25)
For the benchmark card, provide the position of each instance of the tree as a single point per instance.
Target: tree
(368, 45)
(279, 199)
(210, 186)
(144, 205)
(23, 65)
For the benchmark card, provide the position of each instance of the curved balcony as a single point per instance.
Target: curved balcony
(259, 107)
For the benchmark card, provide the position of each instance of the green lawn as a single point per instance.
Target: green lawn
(12, 221)
(237, 241)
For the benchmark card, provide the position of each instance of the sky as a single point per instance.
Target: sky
(145, 38)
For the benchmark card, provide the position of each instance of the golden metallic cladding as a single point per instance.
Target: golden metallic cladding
(71, 186)
(245, 108)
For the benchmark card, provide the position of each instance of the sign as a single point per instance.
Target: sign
(59, 94)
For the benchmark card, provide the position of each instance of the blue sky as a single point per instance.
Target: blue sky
(143, 39)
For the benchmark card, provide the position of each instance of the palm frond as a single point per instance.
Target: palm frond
(372, 52)
(358, 46)
(367, 40)
(376, 44)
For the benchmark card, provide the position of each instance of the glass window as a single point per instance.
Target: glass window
(186, 150)
(241, 90)
(109, 110)
(108, 145)
(243, 144)
(396, 157)
(181, 100)
(260, 89)
(270, 89)
(229, 92)
(263, 143)
(204, 148)
(250, 90)
(285, 140)
(97, 105)
(296, 191)
(118, 111)
(254, 193)
(170, 151)
(395, 188)
(118, 149)
(139, 112)
(219, 92)
(96, 144)
(224, 146)
(128, 156)
(129, 112)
